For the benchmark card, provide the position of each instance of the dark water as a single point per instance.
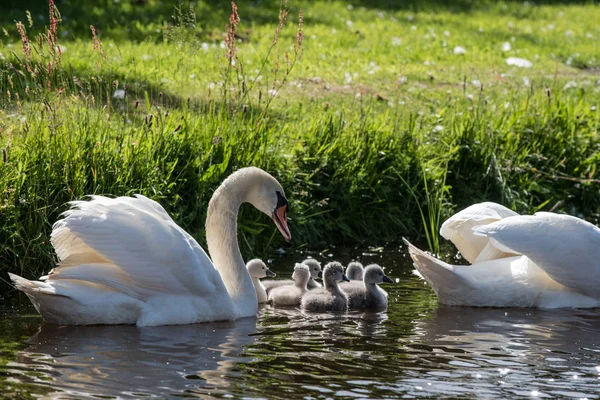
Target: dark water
(415, 349)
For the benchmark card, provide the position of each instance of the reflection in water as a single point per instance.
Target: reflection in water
(502, 352)
(121, 360)
(415, 349)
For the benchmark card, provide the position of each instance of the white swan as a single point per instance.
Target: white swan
(258, 269)
(315, 272)
(125, 261)
(366, 294)
(331, 297)
(546, 260)
(290, 295)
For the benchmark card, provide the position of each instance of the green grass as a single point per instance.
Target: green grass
(379, 131)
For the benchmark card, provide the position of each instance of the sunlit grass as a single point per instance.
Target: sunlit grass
(380, 131)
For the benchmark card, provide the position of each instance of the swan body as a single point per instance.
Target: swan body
(125, 261)
(290, 295)
(355, 271)
(367, 294)
(315, 272)
(330, 297)
(546, 260)
(257, 269)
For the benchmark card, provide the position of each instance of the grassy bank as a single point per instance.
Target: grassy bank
(394, 116)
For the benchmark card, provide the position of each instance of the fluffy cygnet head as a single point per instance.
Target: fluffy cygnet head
(334, 272)
(301, 275)
(314, 267)
(258, 269)
(355, 271)
(374, 274)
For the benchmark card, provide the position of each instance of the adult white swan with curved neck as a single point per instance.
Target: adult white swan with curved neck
(545, 260)
(125, 261)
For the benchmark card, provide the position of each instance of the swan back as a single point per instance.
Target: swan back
(565, 247)
(355, 271)
(126, 244)
(459, 230)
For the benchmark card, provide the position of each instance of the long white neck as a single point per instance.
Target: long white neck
(221, 237)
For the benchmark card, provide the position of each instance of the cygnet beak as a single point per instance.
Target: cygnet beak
(270, 273)
(280, 219)
(320, 276)
(345, 278)
(387, 280)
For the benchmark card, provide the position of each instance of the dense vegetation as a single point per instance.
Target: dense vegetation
(379, 119)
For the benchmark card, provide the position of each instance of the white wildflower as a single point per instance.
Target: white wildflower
(119, 94)
(459, 50)
(506, 46)
(519, 62)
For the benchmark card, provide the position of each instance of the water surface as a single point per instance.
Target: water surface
(415, 349)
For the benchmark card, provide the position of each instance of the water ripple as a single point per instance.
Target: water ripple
(417, 349)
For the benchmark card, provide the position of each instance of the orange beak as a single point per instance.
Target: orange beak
(280, 219)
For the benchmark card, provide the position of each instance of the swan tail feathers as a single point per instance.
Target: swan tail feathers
(436, 272)
(32, 287)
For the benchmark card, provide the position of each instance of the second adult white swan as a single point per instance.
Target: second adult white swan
(125, 261)
(544, 260)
